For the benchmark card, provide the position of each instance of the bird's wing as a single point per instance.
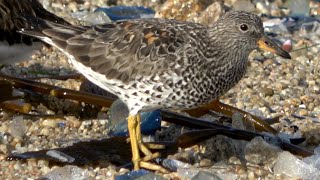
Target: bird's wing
(123, 50)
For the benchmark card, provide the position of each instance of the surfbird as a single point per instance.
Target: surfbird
(159, 63)
(16, 47)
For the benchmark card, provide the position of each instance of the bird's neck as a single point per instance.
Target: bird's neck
(227, 59)
(226, 51)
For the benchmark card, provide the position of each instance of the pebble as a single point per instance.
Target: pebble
(211, 14)
(73, 6)
(287, 45)
(267, 91)
(302, 112)
(205, 163)
(240, 104)
(261, 7)
(3, 128)
(17, 166)
(50, 123)
(17, 127)
(244, 5)
(74, 121)
(284, 85)
(316, 110)
(45, 169)
(44, 132)
(251, 176)
(42, 163)
(268, 62)
(3, 149)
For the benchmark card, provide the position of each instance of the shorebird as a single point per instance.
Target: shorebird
(159, 63)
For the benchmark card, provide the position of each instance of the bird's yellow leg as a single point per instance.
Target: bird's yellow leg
(132, 126)
(142, 147)
(153, 167)
(145, 146)
(148, 154)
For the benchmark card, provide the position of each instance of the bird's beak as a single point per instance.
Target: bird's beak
(267, 44)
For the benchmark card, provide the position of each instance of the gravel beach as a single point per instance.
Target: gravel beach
(272, 87)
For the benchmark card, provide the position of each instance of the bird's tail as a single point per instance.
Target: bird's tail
(10, 24)
(52, 33)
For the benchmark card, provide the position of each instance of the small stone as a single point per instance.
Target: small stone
(43, 163)
(243, 5)
(31, 162)
(262, 8)
(74, 121)
(260, 152)
(211, 13)
(278, 86)
(298, 7)
(311, 106)
(60, 156)
(3, 149)
(293, 167)
(123, 170)
(2, 157)
(44, 132)
(287, 45)
(268, 62)
(312, 83)
(181, 9)
(96, 17)
(73, 6)
(45, 169)
(302, 112)
(251, 175)
(50, 123)
(17, 166)
(293, 102)
(316, 88)
(17, 127)
(240, 105)
(149, 176)
(3, 128)
(205, 175)
(267, 91)
(205, 163)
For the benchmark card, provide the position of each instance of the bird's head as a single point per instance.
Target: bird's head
(245, 31)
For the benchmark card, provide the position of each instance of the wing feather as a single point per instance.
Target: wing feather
(125, 50)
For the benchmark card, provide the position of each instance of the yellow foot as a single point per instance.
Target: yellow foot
(153, 167)
(137, 144)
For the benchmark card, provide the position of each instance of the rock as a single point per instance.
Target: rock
(293, 167)
(244, 5)
(67, 172)
(17, 127)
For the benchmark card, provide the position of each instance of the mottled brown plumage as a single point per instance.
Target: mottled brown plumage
(160, 63)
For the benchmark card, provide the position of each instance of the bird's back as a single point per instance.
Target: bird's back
(128, 50)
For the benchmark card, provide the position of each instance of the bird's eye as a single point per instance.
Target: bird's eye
(244, 27)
